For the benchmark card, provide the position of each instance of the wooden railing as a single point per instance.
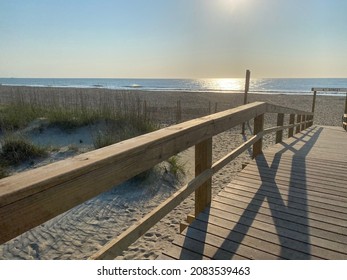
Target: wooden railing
(344, 121)
(30, 198)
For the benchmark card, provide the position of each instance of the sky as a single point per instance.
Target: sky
(173, 38)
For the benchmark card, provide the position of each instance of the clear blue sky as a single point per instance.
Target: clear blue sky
(173, 38)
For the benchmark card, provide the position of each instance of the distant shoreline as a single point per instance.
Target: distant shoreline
(290, 86)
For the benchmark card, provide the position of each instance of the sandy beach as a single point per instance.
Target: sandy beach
(83, 230)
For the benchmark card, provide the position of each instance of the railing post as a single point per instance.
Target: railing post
(248, 77)
(203, 161)
(298, 120)
(279, 134)
(258, 127)
(303, 125)
(314, 101)
(291, 121)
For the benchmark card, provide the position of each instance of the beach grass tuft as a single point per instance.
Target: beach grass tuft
(15, 149)
(176, 167)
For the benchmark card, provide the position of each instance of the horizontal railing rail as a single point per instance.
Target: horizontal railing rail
(30, 198)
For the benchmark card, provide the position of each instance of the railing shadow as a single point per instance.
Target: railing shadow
(291, 222)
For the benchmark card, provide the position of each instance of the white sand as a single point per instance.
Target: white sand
(83, 230)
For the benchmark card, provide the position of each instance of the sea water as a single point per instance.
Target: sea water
(266, 85)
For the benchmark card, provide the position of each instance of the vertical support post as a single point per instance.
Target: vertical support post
(279, 134)
(248, 77)
(291, 121)
(203, 161)
(314, 101)
(258, 127)
(209, 108)
(216, 107)
(303, 126)
(298, 120)
(313, 105)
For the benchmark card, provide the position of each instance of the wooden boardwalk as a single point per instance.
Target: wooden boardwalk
(288, 203)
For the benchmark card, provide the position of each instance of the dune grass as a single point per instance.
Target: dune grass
(115, 119)
(15, 149)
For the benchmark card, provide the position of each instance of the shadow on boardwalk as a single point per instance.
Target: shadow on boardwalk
(289, 216)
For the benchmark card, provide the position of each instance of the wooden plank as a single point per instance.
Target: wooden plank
(330, 89)
(295, 245)
(298, 121)
(291, 206)
(336, 229)
(163, 257)
(203, 161)
(269, 243)
(258, 127)
(291, 122)
(205, 250)
(298, 166)
(279, 134)
(295, 202)
(228, 245)
(56, 188)
(310, 207)
(272, 159)
(314, 100)
(282, 226)
(269, 189)
(306, 181)
(153, 147)
(296, 188)
(179, 253)
(247, 80)
(285, 226)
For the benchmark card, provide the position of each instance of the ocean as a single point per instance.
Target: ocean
(266, 85)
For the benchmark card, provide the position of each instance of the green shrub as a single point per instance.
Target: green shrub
(15, 149)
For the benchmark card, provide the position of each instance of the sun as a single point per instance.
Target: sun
(232, 6)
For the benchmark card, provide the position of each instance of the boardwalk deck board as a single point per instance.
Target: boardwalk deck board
(288, 203)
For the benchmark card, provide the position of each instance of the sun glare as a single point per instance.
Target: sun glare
(232, 6)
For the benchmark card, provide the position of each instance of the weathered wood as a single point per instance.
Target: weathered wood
(203, 161)
(33, 197)
(245, 97)
(291, 122)
(279, 134)
(258, 127)
(288, 203)
(291, 238)
(298, 127)
(303, 122)
(314, 101)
